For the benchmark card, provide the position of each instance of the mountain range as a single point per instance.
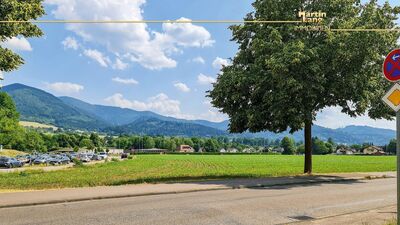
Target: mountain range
(69, 113)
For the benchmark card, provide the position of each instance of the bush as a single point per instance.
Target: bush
(114, 160)
(130, 157)
(77, 162)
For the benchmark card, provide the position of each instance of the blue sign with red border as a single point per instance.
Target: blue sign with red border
(391, 66)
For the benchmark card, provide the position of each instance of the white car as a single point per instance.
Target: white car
(103, 155)
(84, 158)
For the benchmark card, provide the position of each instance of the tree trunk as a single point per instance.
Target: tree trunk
(308, 147)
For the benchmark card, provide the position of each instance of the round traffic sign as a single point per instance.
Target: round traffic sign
(391, 66)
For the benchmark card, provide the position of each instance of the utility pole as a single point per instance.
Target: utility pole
(391, 67)
(398, 164)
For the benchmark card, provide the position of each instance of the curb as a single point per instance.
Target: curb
(338, 180)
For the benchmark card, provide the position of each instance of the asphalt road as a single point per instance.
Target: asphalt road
(276, 205)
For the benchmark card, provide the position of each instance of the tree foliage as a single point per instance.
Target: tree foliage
(282, 77)
(9, 117)
(289, 146)
(17, 10)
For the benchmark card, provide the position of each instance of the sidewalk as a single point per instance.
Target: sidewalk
(16, 199)
(370, 217)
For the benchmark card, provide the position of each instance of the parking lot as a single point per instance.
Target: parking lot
(50, 162)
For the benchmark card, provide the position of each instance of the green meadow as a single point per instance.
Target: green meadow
(166, 168)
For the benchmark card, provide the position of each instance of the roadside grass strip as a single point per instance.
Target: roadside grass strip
(169, 168)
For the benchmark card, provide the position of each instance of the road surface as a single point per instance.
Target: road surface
(274, 205)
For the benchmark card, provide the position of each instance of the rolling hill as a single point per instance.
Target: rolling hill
(36, 105)
(114, 116)
(154, 126)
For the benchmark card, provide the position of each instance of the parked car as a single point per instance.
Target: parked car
(72, 156)
(103, 155)
(41, 160)
(31, 158)
(22, 158)
(64, 159)
(84, 158)
(10, 162)
(53, 161)
(124, 155)
(96, 157)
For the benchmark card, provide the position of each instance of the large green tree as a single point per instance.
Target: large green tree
(14, 10)
(17, 10)
(10, 130)
(289, 146)
(282, 77)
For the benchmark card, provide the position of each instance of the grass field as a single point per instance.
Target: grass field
(161, 168)
(11, 153)
(36, 125)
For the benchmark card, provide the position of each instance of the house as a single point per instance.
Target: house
(278, 150)
(249, 150)
(115, 151)
(222, 150)
(85, 151)
(1, 78)
(185, 148)
(373, 150)
(345, 151)
(64, 150)
(150, 150)
(232, 150)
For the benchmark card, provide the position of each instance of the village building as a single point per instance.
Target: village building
(185, 148)
(373, 150)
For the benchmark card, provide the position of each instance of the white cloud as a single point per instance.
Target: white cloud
(182, 87)
(17, 44)
(97, 56)
(213, 115)
(129, 81)
(164, 105)
(70, 42)
(187, 34)
(135, 42)
(199, 59)
(160, 103)
(333, 118)
(207, 103)
(204, 80)
(119, 65)
(218, 63)
(64, 87)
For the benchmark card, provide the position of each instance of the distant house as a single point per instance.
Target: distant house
(222, 150)
(278, 150)
(1, 78)
(345, 151)
(249, 150)
(373, 150)
(185, 148)
(150, 150)
(232, 150)
(85, 151)
(115, 151)
(64, 150)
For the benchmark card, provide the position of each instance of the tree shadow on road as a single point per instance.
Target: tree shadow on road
(236, 182)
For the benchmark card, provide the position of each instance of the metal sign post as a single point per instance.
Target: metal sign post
(391, 70)
(398, 164)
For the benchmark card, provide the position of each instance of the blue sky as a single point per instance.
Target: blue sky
(165, 68)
